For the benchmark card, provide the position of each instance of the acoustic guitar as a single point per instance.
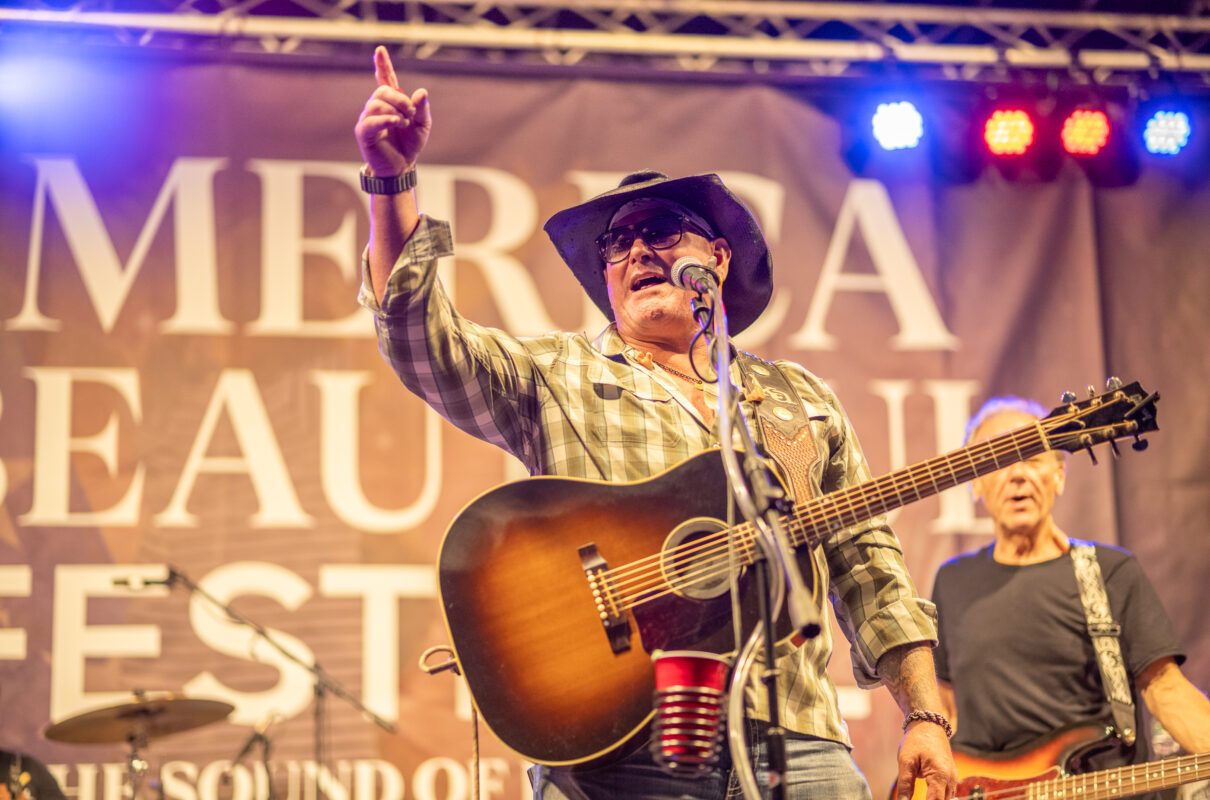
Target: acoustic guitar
(556, 590)
(1043, 770)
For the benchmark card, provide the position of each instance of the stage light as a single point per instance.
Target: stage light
(1167, 132)
(897, 126)
(1085, 132)
(1009, 132)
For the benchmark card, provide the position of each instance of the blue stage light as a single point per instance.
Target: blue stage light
(898, 126)
(1167, 132)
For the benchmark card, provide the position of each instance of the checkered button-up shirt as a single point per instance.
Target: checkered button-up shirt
(566, 405)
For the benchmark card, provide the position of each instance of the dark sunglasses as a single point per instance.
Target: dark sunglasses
(658, 233)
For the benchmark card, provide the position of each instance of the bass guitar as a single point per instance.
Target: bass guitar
(556, 590)
(1043, 770)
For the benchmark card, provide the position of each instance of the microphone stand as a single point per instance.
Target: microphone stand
(762, 503)
(324, 683)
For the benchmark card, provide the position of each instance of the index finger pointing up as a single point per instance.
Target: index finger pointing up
(384, 71)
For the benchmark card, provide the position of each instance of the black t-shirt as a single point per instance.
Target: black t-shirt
(1014, 643)
(31, 776)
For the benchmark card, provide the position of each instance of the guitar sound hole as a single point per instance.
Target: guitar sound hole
(694, 559)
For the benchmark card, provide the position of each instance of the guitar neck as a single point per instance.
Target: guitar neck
(1127, 781)
(813, 520)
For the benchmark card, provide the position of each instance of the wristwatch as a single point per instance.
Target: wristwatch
(396, 184)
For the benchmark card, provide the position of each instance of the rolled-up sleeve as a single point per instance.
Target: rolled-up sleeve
(874, 598)
(480, 379)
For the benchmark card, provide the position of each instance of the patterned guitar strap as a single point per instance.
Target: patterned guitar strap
(1104, 633)
(783, 427)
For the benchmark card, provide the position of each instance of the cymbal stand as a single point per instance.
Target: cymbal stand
(136, 765)
(324, 683)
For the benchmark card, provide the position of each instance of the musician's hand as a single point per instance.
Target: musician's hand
(924, 753)
(394, 126)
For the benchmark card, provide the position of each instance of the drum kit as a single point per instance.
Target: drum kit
(150, 716)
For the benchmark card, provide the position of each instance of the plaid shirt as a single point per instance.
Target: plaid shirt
(568, 406)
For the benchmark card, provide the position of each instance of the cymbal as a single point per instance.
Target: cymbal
(150, 718)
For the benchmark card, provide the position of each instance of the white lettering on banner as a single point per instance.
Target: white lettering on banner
(189, 185)
(16, 580)
(368, 772)
(294, 690)
(894, 393)
(262, 461)
(429, 774)
(867, 206)
(309, 783)
(85, 785)
(73, 640)
(54, 444)
(381, 587)
(284, 249)
(951, 407)
(340, 464)
(219, 781)
(513, 217)
(179, 780)
(952, 400)
(438, 778)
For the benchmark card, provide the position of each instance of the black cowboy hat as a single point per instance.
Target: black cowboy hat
(749, 282)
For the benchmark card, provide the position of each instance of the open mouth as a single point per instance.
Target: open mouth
(646, 281)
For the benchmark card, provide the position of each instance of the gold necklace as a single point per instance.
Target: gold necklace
(691, 378)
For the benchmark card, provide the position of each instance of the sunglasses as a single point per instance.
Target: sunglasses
(658, 233)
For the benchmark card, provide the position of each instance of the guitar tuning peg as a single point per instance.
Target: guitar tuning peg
(1113, 448)
(1139, 445)
(1092, 456)
(1067, 397)
(1092, 392)
(1113, 384)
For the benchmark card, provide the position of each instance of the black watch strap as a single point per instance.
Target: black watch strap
(396, 184)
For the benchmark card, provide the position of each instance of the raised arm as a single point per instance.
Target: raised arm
(391, 132)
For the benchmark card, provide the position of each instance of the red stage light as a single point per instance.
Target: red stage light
(1085, 132)
(1009, 132)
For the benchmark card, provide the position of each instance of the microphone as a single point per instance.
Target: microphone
(688, 272)
(138, 582)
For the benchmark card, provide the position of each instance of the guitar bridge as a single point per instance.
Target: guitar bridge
(613, 618)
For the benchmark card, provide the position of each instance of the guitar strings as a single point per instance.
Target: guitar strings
(807, 521)
(675, 558)
(1117, 782)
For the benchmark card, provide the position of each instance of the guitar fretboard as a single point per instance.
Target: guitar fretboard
(1120, 782)
(828, 514)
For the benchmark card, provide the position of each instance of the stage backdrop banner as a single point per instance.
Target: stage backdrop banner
(186, 379)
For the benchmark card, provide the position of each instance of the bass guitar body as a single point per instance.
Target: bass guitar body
(993, 776)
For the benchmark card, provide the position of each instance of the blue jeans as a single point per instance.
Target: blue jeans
(818, 770)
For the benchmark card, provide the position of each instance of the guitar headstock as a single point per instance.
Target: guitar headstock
(1121, 410)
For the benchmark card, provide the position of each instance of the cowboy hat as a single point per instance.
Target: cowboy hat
(749, 282)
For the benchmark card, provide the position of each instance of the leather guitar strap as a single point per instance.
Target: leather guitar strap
(1104, 633)
(783, 427)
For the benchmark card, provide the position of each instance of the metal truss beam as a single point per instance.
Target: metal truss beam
(773, 39)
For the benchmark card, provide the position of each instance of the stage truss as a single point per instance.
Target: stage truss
(757, 39)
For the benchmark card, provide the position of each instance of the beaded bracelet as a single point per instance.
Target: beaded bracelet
(929, 716)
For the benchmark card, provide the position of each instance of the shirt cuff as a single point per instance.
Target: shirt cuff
(906, 621)
(430, 241)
